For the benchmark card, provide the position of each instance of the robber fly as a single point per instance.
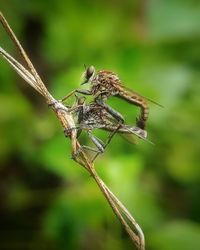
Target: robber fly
(105, 84)
(93, 116)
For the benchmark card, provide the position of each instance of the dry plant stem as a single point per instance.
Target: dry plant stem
(118, 208)
(25, 57)
(31, 76)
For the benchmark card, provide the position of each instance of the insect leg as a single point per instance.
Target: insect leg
(67, 96)
(112, 111)
(108, 140)
(111, 136)
(98, 143)
(81, 91)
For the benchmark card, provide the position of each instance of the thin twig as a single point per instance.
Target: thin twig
(63, 114)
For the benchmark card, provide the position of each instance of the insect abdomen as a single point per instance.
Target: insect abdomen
(138, 101)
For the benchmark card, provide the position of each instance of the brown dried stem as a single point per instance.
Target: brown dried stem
(31, 76)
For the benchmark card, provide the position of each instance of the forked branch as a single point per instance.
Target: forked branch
(30, 75)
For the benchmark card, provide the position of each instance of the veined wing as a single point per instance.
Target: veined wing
(133, 138)
(131, 134)
(134, 132)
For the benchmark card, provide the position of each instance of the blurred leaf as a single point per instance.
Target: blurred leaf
(176, 235)
(174, 19)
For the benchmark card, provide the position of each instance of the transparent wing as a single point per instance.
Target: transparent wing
(130, 138)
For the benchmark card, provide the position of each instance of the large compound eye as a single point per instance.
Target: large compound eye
(88, 75)
(89, 72)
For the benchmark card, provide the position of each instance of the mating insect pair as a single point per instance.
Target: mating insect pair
(104, 84)
(99, 115)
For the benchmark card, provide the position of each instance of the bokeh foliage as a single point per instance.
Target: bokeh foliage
(47, 202)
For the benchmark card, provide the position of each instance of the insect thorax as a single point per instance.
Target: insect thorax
(106, 82)
(91, 113)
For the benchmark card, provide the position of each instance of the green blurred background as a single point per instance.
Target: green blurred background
(46, 200)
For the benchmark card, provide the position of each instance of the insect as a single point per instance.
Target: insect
(105, 84)
(93, 116)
